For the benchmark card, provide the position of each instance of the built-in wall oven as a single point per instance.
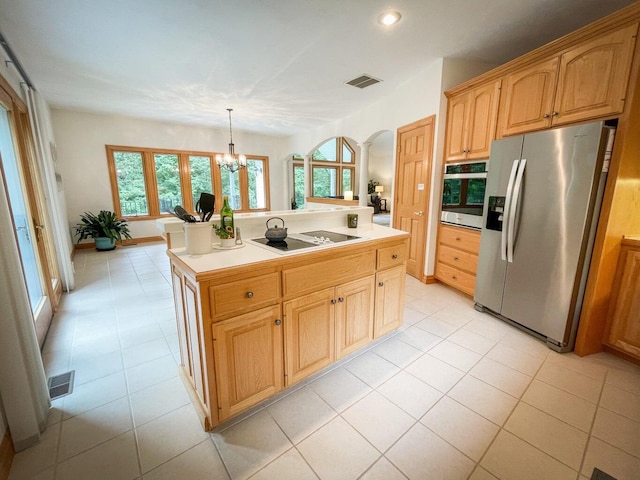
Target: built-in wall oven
(463, 193)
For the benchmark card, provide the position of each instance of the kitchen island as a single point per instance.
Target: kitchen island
(253, 321)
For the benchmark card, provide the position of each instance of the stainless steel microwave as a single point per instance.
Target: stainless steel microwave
(463, 193)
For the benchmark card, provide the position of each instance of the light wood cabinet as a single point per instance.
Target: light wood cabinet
(527, 98)
(248, 359)
(354, 315)
(457, 257)
(471, 123)
(309, 334)
(585, 82)
(389, 300)
(248, 332)
(624, 312)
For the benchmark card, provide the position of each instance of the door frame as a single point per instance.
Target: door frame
(427, 162)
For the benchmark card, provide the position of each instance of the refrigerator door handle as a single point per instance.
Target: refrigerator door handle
(507, 205)
(514, 207)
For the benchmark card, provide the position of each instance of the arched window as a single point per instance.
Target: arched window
(333, 168)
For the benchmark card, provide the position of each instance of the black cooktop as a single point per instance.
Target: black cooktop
(312, 239)
(287, 245)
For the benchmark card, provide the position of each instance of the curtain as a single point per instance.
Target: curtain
(23, 386)
(54, 194)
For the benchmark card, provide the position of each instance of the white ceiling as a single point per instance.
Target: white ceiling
(280, 64)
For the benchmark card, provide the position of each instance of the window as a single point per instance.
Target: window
(333, 168)
(298, 184)
(149, 183)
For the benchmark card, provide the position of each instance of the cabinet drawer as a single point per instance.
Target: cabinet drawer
(328, 273)
(244, 294)
(458, 279)
(391, 256)
(462, 238)
(458, 259)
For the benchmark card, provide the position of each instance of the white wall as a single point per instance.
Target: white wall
(419, 97)
(82, 160)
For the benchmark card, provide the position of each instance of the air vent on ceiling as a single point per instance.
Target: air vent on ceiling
(363, 81)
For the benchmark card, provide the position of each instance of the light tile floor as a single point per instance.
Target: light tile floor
(455, 394)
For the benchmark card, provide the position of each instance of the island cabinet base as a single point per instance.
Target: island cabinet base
(248, 332)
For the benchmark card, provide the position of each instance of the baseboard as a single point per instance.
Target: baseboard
(124, 243)
(6, 456)
(428, 279)
(620, 353)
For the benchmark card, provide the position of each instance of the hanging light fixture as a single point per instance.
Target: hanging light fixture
(231, 161)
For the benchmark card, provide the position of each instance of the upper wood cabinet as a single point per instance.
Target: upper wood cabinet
(593, 77)
(586, 81)
(471, 122)
(527, 98)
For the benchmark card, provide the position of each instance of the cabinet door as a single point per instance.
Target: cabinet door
(389, 300)
(625, 304)
(181, 322)
(309, 331)
(249, 359)
(457, 123)
(195, 338)
(526, 100)
(483, 119)
(354, 315)
(594, 76)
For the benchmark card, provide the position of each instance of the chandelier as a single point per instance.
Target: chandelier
(231, 161)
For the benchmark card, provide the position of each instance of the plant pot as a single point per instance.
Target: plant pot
(227, 242)
(198, 238)
(104, 243)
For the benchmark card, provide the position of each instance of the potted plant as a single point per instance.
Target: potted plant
(227, 238)
(105, 228)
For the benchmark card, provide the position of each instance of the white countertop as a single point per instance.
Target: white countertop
(252, 252)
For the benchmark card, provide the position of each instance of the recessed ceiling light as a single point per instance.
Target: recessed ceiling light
(389, 18)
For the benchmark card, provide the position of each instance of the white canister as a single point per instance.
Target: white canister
(198, 238)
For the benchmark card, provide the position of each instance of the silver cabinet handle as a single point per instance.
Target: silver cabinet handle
(333, 301)
(546, 115)
(249, 294)
(394, 256)
(381, 284)
(554, 114)
(278, 321)
(341, 299)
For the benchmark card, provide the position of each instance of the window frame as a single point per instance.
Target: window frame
(184, 172)
(337, 164)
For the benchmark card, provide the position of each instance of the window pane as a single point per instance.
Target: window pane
(298, 185)
(168, 179)
(347, 179)
(255, 176)
(231, 188)
(200, 176)
(130, 179)
(326, 151)
(347, 156)
(324, 181)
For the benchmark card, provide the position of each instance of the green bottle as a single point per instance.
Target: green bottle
(226, 217)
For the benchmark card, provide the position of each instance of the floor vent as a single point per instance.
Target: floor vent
(363, 81)
(61, 385)
(600, 475)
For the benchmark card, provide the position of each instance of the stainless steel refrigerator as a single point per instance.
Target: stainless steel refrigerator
(541, 208)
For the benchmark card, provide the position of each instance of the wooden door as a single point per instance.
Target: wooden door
(594, 76)
(455, 148)
(181, 321)
(249, 359)
(389, 301)
(194, 336)
(526, 102)
(412, 190)
(309, 334)
(484, 102)
(354, 315)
